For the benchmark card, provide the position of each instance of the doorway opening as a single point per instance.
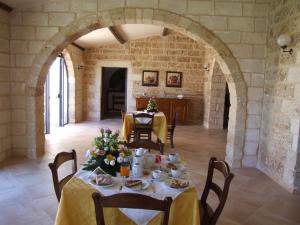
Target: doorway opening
(226, 108)
(56, 95)
(113, 98)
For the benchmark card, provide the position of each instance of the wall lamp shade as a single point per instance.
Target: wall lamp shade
(283, 41)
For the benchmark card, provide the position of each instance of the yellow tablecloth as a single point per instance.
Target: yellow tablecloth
(77, 208)
(160, 126)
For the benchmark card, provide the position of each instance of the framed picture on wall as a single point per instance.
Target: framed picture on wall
(150, 78)
(173, 79)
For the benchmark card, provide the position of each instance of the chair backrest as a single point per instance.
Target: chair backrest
(147, 144)
(59, 159)
(144, 120)
(131, 200)
(222, 193)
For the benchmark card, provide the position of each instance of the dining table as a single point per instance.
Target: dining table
(160, 125)
(76, 205)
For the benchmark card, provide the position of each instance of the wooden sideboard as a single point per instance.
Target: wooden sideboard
(169, 106)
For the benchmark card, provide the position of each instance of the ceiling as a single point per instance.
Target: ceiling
(127, 32)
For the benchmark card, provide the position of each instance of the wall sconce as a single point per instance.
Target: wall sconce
(80, 67)
(206, 67)
(283, 41)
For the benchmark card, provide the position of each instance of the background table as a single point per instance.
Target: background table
(160, 126)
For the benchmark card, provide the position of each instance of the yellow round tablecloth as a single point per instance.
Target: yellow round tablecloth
(77, 208)
(160, 126)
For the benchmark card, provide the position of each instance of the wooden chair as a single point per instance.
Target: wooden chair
(61, 158)
(142, 130)
(171, 129)
(147, 144)
(208, 216)
(131, 200)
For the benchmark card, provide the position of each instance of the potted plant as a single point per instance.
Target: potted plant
(152, 106)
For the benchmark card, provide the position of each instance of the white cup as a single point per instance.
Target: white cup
(173, 157)
(140, 151)
(156, 174)
(176, 172)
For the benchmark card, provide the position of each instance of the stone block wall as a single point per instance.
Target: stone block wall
(174, 52)
(75, 65)
(214, 94)
(240, 24)
(5, 98)
(279, 151)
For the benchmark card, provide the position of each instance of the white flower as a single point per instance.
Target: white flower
(97, 150)
(112, 162)
(105, 139)
(106, 149)
(106, 161)
(88, 154)
(120, 159)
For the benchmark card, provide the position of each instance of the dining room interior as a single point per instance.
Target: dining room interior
(145, 100)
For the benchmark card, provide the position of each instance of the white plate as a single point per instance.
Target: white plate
(168, 184)
(93, 181)
(145, 185)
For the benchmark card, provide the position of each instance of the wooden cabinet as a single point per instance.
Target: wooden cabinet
(169, 106)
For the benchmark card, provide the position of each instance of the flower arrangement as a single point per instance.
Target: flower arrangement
(152, 105)
(106, 153)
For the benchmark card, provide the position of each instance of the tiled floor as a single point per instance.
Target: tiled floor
(27, 196)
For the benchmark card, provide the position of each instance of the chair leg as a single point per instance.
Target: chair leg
(172, 141)
(162, 149)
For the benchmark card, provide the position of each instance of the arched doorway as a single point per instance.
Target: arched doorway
(118, 16)
(56, 95)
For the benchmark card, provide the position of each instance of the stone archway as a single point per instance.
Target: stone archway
(214, 96)
(118, 16)
(72, 85)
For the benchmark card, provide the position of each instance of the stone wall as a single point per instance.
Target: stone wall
(5, 106)
(174, 52)
(279, 152)
(214, 92)
(75, 65)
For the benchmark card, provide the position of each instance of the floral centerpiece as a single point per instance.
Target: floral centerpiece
(107, 153)
(152, 105)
